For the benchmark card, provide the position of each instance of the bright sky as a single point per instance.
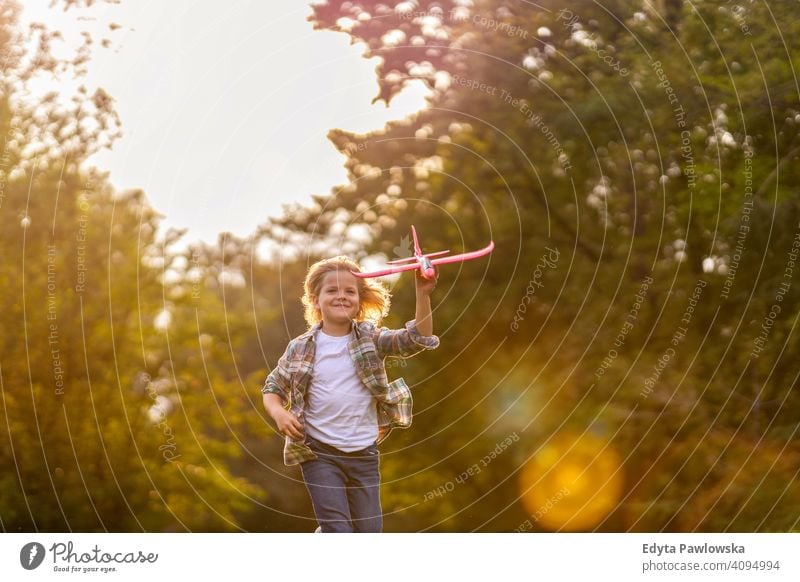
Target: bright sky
(225, 106)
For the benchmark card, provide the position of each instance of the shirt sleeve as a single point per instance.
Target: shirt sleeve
(279, 381)
(403, 342)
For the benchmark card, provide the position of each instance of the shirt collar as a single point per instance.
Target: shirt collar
(311, 333)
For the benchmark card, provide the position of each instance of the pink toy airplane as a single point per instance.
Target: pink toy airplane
(424, 262)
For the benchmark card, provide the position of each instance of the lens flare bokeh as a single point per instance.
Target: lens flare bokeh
(572, 483)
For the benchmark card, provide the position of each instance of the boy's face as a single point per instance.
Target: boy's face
(338, 299)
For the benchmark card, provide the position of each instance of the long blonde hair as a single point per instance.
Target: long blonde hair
(373, 298)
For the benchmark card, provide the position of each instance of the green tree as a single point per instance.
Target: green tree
(637, 140)
(103, 426)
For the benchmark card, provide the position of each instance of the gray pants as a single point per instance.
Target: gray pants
(344, 488)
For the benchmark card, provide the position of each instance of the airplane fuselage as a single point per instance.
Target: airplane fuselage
(426, 268)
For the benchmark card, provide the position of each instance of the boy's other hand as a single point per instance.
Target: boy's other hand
(288, 424)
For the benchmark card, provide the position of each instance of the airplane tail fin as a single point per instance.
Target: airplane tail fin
(417, 250)
(400, 261)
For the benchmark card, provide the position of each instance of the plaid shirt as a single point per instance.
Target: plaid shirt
(368, 347)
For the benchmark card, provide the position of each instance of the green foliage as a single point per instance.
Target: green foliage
(609, 150)
(106, 423)
(628, 137)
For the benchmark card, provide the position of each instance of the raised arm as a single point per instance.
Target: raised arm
(416, 335)
(424, 317)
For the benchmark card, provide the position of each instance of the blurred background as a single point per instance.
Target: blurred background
(625, 360)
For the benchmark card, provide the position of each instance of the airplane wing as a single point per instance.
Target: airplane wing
(388, 271)
(412, 258)
(442, 261)
(464, 256)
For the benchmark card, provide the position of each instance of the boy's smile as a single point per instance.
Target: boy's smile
(338, 300)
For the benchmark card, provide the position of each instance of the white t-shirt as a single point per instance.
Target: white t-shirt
(340, 410)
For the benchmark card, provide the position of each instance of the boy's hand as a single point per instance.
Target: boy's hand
(426, 286)
(288, 424)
